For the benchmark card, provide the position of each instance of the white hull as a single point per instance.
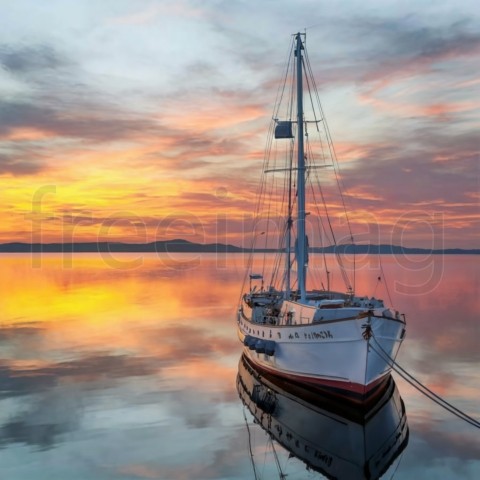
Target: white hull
(334, 353)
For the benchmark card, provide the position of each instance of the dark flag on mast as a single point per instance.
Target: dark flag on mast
(283, 129)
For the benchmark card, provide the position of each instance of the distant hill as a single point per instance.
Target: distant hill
(394, 249)
(179, 245)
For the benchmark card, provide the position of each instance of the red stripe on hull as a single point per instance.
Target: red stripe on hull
(348, 390)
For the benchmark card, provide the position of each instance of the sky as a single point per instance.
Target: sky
(146, 120)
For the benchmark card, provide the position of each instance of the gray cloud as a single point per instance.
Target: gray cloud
(93, 124)
(412, 171)
(409, 36)
(63, 102)
(30, 59)
(61, 127)
(16, 164)
(389, 47)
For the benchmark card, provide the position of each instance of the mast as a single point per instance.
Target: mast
(301, 236)
(289, 236)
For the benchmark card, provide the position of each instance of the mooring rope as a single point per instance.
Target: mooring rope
(422, 388)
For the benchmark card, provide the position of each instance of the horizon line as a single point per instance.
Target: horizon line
(212, 247)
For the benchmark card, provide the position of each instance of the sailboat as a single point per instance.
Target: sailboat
(291, 324)
(334, 438)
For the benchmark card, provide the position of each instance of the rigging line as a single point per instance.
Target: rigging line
(265, 454)
(293, 87)
(327, 216)
(261, 192)
(288, 265)
(331, 146)
(270, 136)
(309, 89)
(312, 104)
(255, 230)
(281, 475)
(320, 108)
(320, 225)
(249, 260)
(354, 267)
(278, 256)
(269, 202)
(317, 208)
(335, 162)
(281, 87)
(317, 180)
(281, 238)
(333, 157)
(250, 445)
(384, 282)
(343, 272)
(278, 104)
(398, 464)
(409, 378)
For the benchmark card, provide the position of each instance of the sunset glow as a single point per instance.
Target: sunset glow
(150, 124)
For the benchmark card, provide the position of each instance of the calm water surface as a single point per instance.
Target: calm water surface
(125, 367)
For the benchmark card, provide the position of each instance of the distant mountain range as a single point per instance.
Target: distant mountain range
(179, 245)
(176, 245)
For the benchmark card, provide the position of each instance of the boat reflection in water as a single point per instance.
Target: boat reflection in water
(336, 438)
